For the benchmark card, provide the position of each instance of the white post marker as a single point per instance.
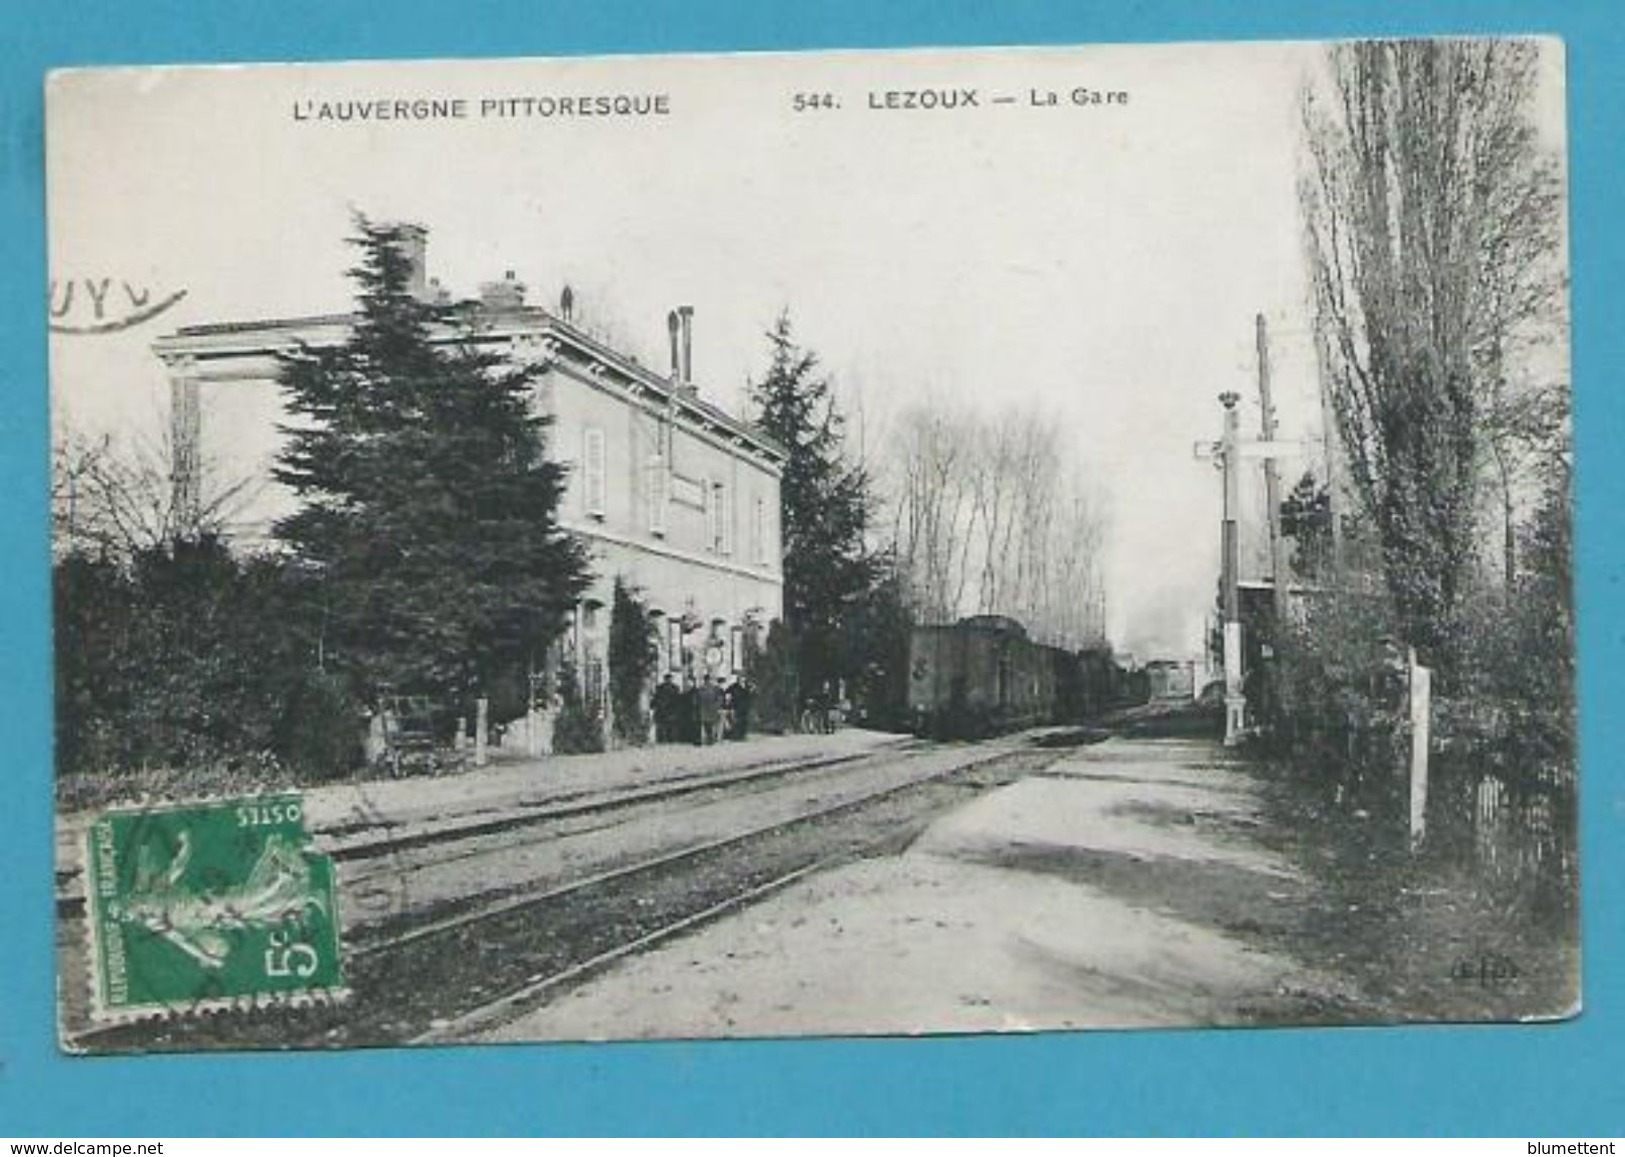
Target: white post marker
(482, 721)
(1235, 702)
(1421, 687)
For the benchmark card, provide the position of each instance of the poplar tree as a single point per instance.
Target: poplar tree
(1434, 225)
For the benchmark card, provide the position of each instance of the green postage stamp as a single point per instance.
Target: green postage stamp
(209, 905)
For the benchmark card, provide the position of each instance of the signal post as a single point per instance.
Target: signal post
(1227, 454)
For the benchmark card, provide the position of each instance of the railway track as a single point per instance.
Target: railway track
(390, 859)
(460, 973)
(362, 844)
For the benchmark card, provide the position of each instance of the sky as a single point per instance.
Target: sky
(1102, 263)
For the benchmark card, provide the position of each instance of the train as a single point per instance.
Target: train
(982, 676)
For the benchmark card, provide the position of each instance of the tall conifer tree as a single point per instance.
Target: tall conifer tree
(826, 506)
(430, 508)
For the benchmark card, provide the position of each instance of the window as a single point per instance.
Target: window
(593, 472)
(656, 494)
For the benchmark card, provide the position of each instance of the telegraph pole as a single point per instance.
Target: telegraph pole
(1235, 702)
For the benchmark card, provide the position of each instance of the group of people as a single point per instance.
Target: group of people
(701, 713)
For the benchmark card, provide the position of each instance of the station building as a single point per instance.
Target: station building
(671, 493)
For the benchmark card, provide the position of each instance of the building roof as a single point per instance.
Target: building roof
(475, 323)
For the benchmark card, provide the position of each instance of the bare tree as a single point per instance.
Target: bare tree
(117, 498)
(1431, 224)
(930, 507)
(1519, 341)
(986, 518)
(992, 479)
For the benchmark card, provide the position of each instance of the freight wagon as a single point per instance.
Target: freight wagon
(980, 676)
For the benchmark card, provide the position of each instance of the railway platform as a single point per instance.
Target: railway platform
(437, 805)
(1126, 884)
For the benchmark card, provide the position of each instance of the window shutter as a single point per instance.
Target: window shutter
(593, 472)
(758, 531)
(725, 520)
(709, 499)
(657, 495)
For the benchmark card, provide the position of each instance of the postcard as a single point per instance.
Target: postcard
(799, 544)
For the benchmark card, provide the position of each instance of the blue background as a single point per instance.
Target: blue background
(1534, 1081)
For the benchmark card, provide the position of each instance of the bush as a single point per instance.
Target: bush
(1340, 694)
(580, 726)
(1503, 703)
(320, 734)
(771, 668)
(183, 657)
(633, 654)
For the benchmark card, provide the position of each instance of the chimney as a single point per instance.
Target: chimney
(686, 314)
(673, 327)
(503, 296)
(413, 244)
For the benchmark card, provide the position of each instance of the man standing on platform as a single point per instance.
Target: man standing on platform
(710, 705)
(742, 704)
(665, 704)
(725, 725)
